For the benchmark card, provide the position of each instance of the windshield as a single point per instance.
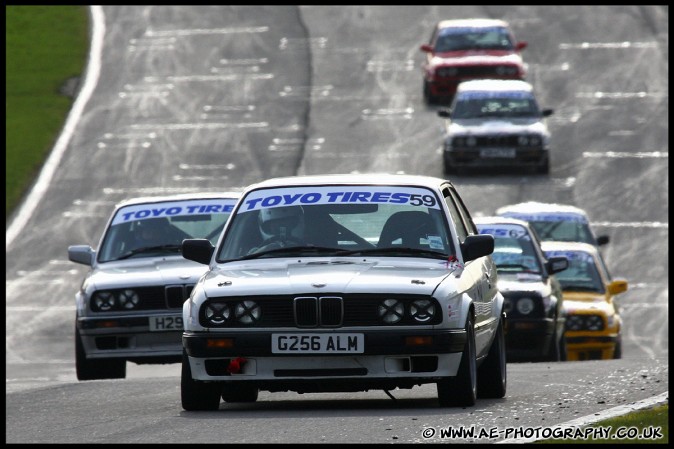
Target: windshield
(337, 220)
(514, 250)
(473, 38)
(470, 105)
(582, 273)
(561, 227)
(152, 229)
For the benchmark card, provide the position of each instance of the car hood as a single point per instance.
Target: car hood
(146, 271)
(587, 302)
(473, 57)
(290, 276)
(522, 282)
(500, 125)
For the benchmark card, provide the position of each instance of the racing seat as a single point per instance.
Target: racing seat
(406, 229)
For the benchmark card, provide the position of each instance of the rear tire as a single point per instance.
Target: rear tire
(461, 390)
(492, 375)
(197, 395)
(96, 368)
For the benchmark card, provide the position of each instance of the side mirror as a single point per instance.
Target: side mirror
(83, 254)
(445, 113)
(521, 45)
(617, 286)
(602, 240)
(547, 112)
(477, 246)
(426, 48)
(198, 250)
(557, 264)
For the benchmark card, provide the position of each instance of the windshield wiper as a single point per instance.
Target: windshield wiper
(292, 250)
(522, 268)
(401, 250)
(149, 249)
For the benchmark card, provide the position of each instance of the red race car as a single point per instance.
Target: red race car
(461, 50)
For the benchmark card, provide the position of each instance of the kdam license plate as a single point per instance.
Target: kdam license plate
(166, 323)
(317, 343)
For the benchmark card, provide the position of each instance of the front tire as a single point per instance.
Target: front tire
(618, 351)
(461, 390)
(197, 395)
(492, 375)
(96, 368)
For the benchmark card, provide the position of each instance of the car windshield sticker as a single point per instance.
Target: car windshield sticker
(482, 95)
(307, 196)
(450, 31)
(174, 208)
(571, 255)
(561, 216)
(505, 231)
(435, 242)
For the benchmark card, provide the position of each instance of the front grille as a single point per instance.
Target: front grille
(306, 311)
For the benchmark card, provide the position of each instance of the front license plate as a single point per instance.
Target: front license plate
(166, 323)
(497, 152)
(317, 343)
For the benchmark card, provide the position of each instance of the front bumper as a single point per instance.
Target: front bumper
(386, 355)
(471, 157)
(129, 338)
(529, 338)
(590, 347)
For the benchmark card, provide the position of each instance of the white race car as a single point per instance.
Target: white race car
(344, 283)
(496, 124)
(129, 304)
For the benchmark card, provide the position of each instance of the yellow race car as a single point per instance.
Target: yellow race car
(593, 324)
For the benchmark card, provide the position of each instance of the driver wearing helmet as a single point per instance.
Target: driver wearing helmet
(149, 233)
(281, 227)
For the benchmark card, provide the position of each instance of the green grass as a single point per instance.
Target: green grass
(45, 46)
(642, 422)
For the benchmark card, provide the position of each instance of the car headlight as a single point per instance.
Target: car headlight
(458, 141)
(447, 71)
(535, 140)
(574, 323)
(507, 305)
(391, 311)
(248, 312)
(471, 141)
(525, 305)
(594, 323)
(103, 301)
(523, 140)
(422, 310)
(217, 312)
(128, 299)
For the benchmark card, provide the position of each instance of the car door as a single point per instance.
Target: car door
(483, 272)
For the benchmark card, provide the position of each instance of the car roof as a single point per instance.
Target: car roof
(179, 197)
(532, 207)
(352, 178)
(472, 23)
(553, 245)
(492, 85)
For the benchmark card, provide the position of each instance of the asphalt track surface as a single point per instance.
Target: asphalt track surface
(213, 98)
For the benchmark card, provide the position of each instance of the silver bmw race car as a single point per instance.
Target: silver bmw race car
(344, 283)
(129, 306)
